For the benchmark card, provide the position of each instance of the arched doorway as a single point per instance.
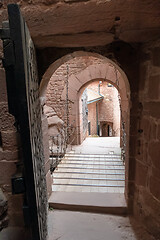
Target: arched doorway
(91, 67)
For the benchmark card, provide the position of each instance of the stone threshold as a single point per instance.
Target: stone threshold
(105, 203)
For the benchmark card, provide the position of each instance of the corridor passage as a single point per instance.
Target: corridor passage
(94, 166)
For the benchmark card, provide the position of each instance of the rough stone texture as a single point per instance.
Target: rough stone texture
(51, 24)
(3, 211)
(10, 154)
(46, 152)
(108, 109)
(147, 181)
(84, 67)
(51, 21)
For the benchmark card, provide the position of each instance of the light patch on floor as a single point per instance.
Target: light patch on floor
(67, 225)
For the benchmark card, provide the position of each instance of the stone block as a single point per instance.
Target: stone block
(153, 109)
(154, 87)
(131, 169)
(133, 125)
(15, 202)
(153, 130)
(9, 155)
(6, 120)
(3, 90)
(143, 76)
(10, 140)
(16, 218)
(7, 169)
(141, 174)
(156, 172)
(146, 127)
(132, 146)
(154, 153)
(158, 132)
(156, 56)
(155, 187)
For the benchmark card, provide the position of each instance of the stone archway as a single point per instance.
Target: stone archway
(92, 67)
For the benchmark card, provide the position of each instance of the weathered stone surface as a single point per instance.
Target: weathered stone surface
(3, 203)
(9, 155)
(6, 120)
(154, 152)
(49, 111)
(156, 56)
(154, 87)
(154, 187)
(3, 90)
(7, 169)
(141, 174)
(153, 109)
(10, 140)
(55, 120)
(89, 23)
(3, 211)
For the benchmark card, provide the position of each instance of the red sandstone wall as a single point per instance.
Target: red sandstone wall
(92, 118)
(147, 169)
(108, 108)
(55, 89)
(116, 113)
(9, 154)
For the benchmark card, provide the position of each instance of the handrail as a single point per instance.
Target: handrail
(59, 144)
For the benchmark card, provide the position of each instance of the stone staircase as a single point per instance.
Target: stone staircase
(90, 173)
(89, 183)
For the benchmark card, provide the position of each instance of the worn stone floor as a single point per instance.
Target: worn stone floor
(67, 225)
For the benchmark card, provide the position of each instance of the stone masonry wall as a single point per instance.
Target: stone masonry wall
(9, 155)
(147, 177)
(108, 108)
(56, 84)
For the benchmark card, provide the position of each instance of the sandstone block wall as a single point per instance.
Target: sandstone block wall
(57, 83)
(10, 152)
(147, 169)
(108, 108)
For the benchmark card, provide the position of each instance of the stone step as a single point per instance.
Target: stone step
(93, 156)
(109, 203)
(90, 160)
(79, 189)
(92, 163)
(91, 178)
(88, 182)
(96, 167)
(90, 173)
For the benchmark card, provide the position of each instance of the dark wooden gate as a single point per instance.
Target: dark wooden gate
(23, 99)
